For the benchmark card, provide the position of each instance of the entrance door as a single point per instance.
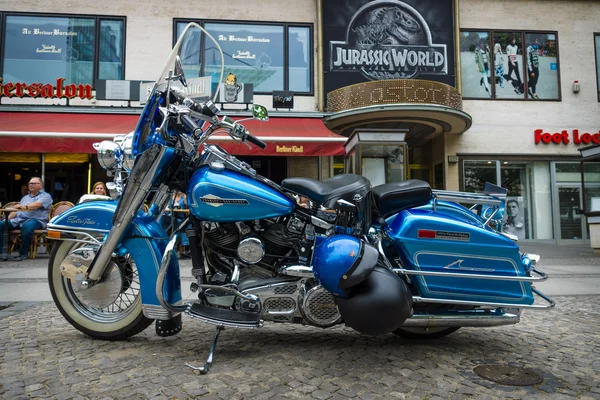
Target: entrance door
(571, 224)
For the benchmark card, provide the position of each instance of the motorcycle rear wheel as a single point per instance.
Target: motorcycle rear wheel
(117, 321)
(424, 333)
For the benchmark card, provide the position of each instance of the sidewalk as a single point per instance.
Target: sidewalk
(573, 270)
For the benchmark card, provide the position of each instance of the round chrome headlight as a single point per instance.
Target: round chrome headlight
(110, 154)
(128, 157)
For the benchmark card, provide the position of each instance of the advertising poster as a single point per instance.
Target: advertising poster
(387, 39)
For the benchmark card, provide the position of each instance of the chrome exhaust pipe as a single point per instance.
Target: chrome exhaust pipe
(473, 318)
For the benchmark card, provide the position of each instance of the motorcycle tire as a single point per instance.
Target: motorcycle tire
(117, 321)
(424, 333)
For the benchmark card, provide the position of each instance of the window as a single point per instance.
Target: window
(509, 65)
(269, 56)
(597, 47)
(39, 48)
(528, 206)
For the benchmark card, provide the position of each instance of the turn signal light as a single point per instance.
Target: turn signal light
(53, 235)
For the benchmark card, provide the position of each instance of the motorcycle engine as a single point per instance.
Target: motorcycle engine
(263, 246)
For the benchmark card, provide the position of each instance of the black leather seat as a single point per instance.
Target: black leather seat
(329, 190)
(394, 197)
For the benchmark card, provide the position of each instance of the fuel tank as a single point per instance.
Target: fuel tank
(452, 239)
(227, 196)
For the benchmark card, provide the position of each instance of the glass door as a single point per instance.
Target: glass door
(571, 222)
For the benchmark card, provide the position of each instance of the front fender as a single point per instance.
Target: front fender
(145, 240)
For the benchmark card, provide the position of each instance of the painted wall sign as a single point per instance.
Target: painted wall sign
(46, 91)
(387, 39)
(566, 137)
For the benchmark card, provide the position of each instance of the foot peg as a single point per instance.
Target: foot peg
(224, 317)
(204, 369)
(169, 327)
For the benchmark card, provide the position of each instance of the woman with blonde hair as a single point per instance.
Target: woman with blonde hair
(499, 64)
(100, 189)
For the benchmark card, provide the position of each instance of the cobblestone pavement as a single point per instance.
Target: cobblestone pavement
(42, 356)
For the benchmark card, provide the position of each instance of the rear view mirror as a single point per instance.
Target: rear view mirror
(178, 72)
(260, 112)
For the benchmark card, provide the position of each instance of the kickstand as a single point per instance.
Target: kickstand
(204, 369)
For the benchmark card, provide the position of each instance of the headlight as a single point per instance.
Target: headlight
(110, 154)
(128, 157)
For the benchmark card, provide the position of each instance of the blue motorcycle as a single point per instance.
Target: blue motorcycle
(395, 258)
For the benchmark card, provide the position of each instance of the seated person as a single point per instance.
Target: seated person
(33, 214)
(178, 202)
(99, 188)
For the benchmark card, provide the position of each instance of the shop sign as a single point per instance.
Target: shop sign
(46, 91)
(289, 149)
(283, 99)
(566, 137)
(387, 39)
(234, 92)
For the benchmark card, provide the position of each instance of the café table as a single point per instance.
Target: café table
(6, 211)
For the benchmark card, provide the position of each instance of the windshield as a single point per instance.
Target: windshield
(184, 73)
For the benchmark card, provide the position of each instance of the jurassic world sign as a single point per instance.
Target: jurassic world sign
(387, 39)
(46, 91)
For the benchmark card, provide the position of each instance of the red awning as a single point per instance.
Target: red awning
(75, 133)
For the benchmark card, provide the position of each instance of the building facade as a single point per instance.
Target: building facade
(472, 92)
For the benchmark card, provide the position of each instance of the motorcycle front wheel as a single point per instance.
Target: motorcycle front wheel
(120, 319)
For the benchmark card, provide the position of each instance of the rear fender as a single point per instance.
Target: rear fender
(144, 239)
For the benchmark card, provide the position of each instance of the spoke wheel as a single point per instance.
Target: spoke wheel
(118, 315)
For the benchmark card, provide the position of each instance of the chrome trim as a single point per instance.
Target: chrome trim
(160, 280)
(511, 236)
(542, 277)
(276, 313)
(221, 323)
(470, 318)
(92, 241)
(468, 198)
(67, 227)
(551, 303)
(157, 312)
(320, 223)
(249, 297)
(300, 271)
(385, 260)
(535, 258)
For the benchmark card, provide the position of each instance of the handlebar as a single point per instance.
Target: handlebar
(208, 111)
(256, 141)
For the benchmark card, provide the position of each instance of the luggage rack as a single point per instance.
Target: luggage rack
(495, 196)
(468, 198)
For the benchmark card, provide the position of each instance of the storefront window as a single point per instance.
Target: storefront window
(253, 53)
(299, 59)
(111, 50)
(509, 65)
(477, 173)
(528, 210)
(475, 57)
(541, 65)
(256, 54)
(44, 49)
(338, 165)
(597, 43)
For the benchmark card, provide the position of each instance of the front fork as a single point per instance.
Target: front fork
(147, 172)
